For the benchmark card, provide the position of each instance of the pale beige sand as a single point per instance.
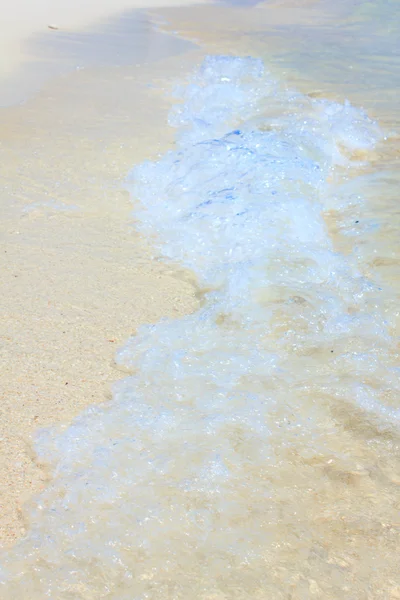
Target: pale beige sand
(76, 277)
(22, 18)
(77, 282)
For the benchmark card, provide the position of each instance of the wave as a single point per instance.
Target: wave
(210, 473)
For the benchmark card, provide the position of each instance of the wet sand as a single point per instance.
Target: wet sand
(77, 279)
(22, 20)
(103, 282)
(80, 105)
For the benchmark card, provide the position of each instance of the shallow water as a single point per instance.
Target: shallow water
(253, 452)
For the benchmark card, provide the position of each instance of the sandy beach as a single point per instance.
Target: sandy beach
(76, 278)
(21, 21)
(254, 483)
(81, 104)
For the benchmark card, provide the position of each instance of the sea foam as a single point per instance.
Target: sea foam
(197, 480)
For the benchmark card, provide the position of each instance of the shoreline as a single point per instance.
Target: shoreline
(118, 121)
(22, 21)
(77, 278)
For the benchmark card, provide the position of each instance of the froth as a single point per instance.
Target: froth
(197, 479)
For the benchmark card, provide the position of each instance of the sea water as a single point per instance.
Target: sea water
(251, 452)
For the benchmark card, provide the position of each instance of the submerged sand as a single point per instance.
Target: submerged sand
(79, 279)
(85, 96)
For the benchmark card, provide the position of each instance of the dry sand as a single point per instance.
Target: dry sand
(76, 277)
